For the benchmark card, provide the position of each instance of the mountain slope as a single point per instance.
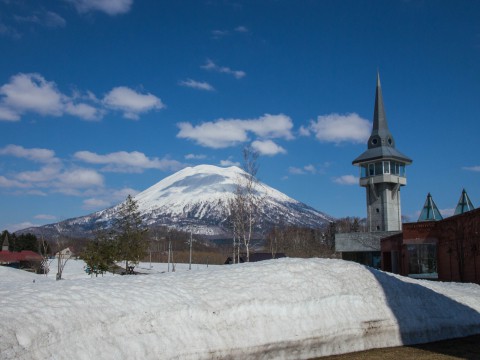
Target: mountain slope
(195, 199)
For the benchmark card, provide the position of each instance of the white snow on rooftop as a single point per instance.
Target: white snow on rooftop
(279, 309)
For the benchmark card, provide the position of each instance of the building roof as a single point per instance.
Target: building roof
(430, 211)
(381, 144)
(17, 256)
(464, 204)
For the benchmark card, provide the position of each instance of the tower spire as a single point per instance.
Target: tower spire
(380, 133)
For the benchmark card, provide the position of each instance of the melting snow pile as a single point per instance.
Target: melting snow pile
(286, 308)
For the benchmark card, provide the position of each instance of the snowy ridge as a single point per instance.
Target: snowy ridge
(195, 199)
(278, 309)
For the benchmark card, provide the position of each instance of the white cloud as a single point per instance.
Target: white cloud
(304, 170)
(229, 162)
(130, 102)
(241, 29)
(341, 128)
(33, 154)
(9, 31)
(20, 226)
(9, 183)
(211, 66)
(7, 114)
(48, 18)
(223, 133)
(472, 168)
(107, 198)
(195, 156)
(123, 161)
(303, 131)
(110, 7)
(346, 180)
(267, 147)
(45, 217)
(295, 170)
(33, 93)
(310, 168)
(218, 34)
(84, 111)
(80, 178)
(93, 204)
(197, 85)
(44, 175)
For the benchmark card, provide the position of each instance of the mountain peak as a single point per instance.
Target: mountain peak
(196, 199)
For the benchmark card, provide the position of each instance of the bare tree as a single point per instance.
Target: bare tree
(63, 255)
(244, 207)
(44, 250)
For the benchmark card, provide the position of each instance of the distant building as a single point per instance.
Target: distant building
(436, 248)
(24, 259)
(65, 254)
(382, 174)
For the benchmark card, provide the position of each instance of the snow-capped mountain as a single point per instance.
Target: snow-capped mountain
(195, 199)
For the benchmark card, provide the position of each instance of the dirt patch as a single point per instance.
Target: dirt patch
(467, 348)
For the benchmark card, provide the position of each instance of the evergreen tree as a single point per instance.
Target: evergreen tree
(131, 239)
(99, 254)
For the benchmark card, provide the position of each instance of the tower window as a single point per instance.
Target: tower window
(378, 227)
(386, 167)
(377, 210)
(371, 169)
(374, 141)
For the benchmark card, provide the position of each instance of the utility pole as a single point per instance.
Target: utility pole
(169, 252)
(190, 263)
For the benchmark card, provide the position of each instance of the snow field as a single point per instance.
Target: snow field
(285, 308)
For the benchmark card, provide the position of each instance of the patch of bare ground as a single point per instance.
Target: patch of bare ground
(467, 348)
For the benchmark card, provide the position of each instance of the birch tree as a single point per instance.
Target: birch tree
(245, 205)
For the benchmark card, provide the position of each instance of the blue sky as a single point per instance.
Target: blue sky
(99, 99)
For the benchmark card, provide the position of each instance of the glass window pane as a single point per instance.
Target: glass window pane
(422, 261)
(371, 169)
(363, 171)
(386, 167)
(378, 168)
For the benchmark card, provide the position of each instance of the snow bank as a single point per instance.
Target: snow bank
(286, 308)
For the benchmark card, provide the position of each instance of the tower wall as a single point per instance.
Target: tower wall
(384, 207)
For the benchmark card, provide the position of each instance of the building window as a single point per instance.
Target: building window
(386, 167)
(378, 168)
(377, 210)
(371, 169)
(422, 261)
(363, 171)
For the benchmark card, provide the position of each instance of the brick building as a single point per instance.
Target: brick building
(445, 250)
